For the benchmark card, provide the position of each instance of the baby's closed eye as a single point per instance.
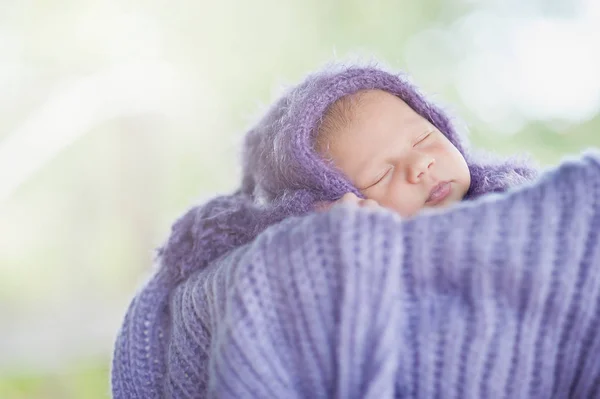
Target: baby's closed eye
(422, 138)
(380, 177)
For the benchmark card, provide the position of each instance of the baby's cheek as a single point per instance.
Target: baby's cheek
(404, 203)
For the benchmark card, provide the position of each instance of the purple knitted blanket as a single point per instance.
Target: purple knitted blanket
(498, 298)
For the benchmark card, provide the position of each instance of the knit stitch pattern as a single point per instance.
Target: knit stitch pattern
(496, 298)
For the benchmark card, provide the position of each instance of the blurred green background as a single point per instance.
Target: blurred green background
(116, 116)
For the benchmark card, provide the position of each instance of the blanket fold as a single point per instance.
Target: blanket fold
(494, 298)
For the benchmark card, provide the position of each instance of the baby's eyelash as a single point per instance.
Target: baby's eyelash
(387, 172)
(423, 137)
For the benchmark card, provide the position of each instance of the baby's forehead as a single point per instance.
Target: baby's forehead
(343, 111)
(348, 107)
(352, 102)
(371, 118)
(370, 102)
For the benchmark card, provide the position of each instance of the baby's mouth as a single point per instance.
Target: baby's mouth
(439, 193)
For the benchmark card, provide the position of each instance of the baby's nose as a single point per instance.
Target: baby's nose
(419, 167)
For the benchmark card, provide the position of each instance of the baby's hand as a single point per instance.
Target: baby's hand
(349, 198)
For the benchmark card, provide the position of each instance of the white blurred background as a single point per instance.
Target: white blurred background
(116, 116)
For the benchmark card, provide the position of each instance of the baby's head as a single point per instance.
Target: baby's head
(369, 132)
(391, 153)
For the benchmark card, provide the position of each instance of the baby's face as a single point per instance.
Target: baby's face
(396, 157)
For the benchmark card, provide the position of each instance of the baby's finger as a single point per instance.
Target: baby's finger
(349, 198)
(369, 203)
(323, 206)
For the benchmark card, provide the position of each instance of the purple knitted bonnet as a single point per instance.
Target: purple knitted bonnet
(284, 176)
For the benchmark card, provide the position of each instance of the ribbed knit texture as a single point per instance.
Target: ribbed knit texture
(496, 298)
